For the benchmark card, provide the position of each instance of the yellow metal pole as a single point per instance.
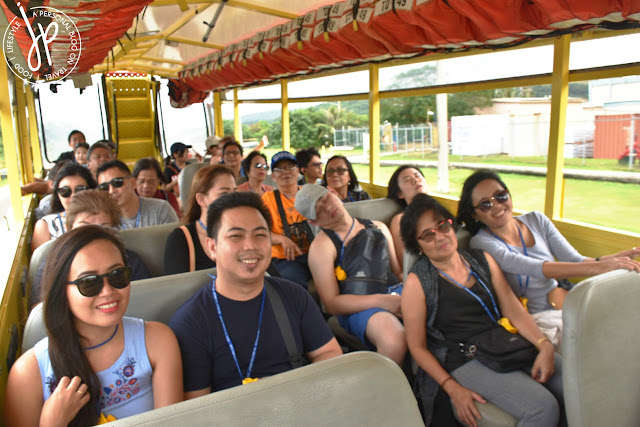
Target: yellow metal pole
(217, 114)
(286, 133)
(237, 124)
(374, 124)
(7, 82)
(33, 131)
(24, 140)
(559, 100)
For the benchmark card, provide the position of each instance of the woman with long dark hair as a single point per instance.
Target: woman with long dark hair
(71, 179)
(184, 250)
(472, 339)
(94, 363)
(340, 179)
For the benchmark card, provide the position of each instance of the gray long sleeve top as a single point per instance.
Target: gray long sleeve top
(549, 245)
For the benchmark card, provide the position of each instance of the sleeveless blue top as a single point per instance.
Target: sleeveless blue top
(125, 387)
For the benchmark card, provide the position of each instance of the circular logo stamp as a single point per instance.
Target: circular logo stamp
(41, 45)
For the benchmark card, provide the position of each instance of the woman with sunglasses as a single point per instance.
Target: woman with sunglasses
(71, 179)
(184, 250)
(406, 182)
(255, 167)
(341, 180)
(94, 363)
(529, 249)
(452, 296)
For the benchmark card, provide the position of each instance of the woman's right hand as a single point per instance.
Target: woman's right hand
(616, 263)
(463, 401)
(65, 402)
(291, 250)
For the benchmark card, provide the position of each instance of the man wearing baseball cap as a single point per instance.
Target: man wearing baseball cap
(355, 270)
(291, 235)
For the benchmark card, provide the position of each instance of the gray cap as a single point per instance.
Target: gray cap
(307, 197)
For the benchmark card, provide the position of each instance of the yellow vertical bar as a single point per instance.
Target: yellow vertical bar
(217, 114)
(559, 100)
(237, 124)
(24, 140)
(284, 98)
(35, 137)
(9, 142)
(374, 124)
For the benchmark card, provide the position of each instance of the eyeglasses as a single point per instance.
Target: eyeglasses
(67, 191)
(262, 166)
(315, 165)
(339, 171)
(231, 153)
(442, 227)
(486, 205)
(287, 169)
(115, 183)
(90, 286)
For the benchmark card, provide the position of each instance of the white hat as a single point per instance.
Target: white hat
(212, 141)
(306, 199)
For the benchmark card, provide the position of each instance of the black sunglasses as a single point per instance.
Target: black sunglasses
(67, 191)
(442, 227)
(486, 205)
(261, 166)
(90, 286)
(339, 171)
(115, 183)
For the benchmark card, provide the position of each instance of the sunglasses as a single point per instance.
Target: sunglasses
(442, 227)
(339, 171)
(67, 191)
(486, 205)
(90, 286)
(261, 166)
(115, 183)
(315, 165)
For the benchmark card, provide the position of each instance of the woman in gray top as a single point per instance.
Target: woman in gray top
(529, 248)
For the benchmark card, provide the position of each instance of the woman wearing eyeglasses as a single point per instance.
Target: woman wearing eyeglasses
(95, 363)
(255, 167)
(453, 303)
(340, 179)
(529, 249)
(184, 250)
(71, 179)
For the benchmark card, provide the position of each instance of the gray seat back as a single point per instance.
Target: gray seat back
(379, 209)
(185, 177)
(154, 299)
(600, 347)
(362, 388)
(38, 257)
(149, 243)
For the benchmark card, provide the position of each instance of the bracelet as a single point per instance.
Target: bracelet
(541, 340)
(445, 381)
(598, 259)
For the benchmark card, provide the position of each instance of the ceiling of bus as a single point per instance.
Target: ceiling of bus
(163, 36)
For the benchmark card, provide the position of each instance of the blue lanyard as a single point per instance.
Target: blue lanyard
(62, 227)
(124, 227)
(470, 292)
(523, 289)
(204, 227)
(228, 338)
(353, 222)
(349, 198)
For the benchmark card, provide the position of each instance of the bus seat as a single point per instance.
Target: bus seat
(39, 256)
(185, 177)
(154, 299)
(149, 243)
(362, 388)
(600, 367)
(378, 209)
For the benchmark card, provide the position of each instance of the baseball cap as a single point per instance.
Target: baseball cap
(306, 199)
(212, 141)
(178, 146)
(282, 155)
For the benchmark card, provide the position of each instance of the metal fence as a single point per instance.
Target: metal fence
(392, 138)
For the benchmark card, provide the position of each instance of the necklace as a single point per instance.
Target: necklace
(103, 343)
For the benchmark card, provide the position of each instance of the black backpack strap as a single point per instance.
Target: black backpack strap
(283, 216)
(295, 356)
